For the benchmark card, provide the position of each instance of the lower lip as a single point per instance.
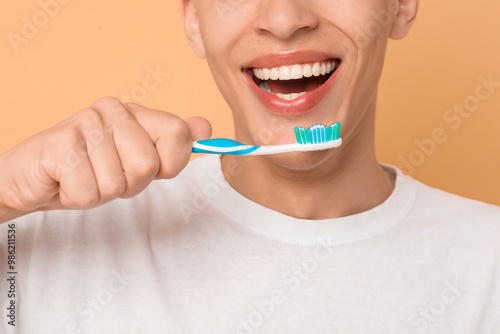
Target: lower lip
(298, 106)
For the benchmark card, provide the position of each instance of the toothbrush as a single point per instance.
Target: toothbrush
(315, 138)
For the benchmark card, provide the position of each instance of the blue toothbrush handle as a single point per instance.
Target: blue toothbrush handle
(222, 146)
(315, 138)
(229, 146)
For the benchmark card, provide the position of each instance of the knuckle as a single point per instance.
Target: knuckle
(111, 107)
(169, 171)
(89, 118)
(179, 129)
(86, 201)
(147, 167)
(69, 136)
(107, 102)
(77, 195)
(69, 142)
(112, 189)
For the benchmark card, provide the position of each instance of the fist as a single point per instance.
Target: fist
(109, 150)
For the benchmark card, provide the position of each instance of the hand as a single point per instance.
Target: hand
(110, 150)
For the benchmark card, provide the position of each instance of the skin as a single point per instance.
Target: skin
(106, 151)
(113, 150)
(230, 34)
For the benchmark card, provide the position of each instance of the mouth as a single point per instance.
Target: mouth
(291, 82)
(293, 88)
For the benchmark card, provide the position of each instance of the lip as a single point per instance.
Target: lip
(302, 104)
(289, 58)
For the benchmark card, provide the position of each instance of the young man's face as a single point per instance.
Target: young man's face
(330, 51)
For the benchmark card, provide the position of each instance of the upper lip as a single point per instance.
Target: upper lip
(288, 58)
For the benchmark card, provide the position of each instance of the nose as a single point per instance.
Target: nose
(285, 18)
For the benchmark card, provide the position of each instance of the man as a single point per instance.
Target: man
(319, 242)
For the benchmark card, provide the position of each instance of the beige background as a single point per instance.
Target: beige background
(87, 49)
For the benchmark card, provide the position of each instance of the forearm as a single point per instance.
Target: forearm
(7, 211)
(7, 214)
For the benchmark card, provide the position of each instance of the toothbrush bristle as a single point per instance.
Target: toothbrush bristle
(303, 135)
(333, 132)
(317, 133)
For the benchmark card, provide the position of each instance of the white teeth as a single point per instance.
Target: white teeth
(274, 74)
(307, 71)
(284, 73)
(264, 85)
(266, 73)
(297, 71)
(315, 69)
(289, 97)
(292, 73)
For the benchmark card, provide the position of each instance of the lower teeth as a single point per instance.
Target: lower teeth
(264, 85)
(289, 97)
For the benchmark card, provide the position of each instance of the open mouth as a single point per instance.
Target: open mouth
(292, 81)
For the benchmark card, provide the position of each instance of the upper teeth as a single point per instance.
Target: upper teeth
(298, 71)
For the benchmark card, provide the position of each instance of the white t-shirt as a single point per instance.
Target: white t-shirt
(191, 255)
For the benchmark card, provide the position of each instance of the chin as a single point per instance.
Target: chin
(301, 161)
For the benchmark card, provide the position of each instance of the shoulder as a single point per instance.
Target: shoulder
(443, 217)
(435, 202)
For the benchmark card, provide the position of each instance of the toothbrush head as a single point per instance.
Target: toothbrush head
(317, 134)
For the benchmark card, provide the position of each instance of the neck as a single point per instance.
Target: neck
(343, 182)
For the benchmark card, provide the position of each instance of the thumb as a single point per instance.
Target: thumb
(199, 127)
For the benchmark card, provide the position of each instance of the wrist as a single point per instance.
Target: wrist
(7, 213)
